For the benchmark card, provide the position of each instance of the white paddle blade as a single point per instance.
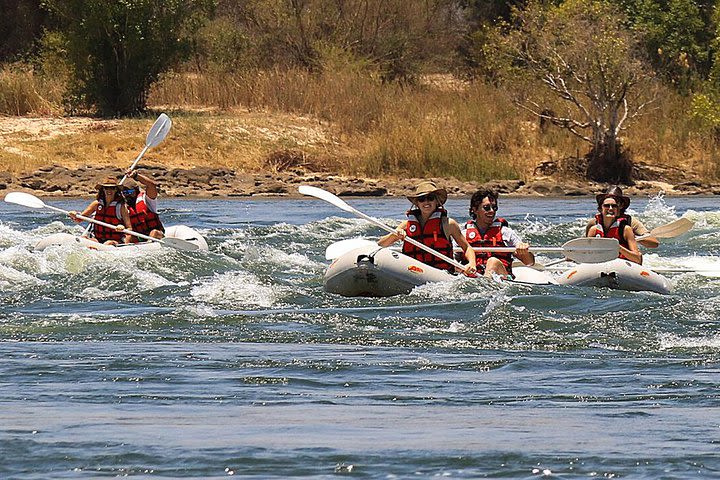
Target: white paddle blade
(158, 131)
(326, 196)
(338, 249)
(179, 244)
(591, 249)
(24, 199)
(673, 229)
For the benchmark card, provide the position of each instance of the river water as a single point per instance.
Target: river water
(237, 363)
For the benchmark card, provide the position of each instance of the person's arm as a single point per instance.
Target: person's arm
(522, 249)
(590, 223)
(632, 252)
(462, 242)
(639, 229)
(592, 231)
(390, 238)
(88, 210)
(151, 190)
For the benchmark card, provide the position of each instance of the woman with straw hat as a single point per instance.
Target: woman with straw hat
(108, 207)
(428, 223)
(637, 226)
(612, 222)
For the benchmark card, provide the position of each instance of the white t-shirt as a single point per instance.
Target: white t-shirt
(150, 202)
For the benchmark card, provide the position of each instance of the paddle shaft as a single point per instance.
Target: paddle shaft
(412, 241)
(98, 222)
(145, 149)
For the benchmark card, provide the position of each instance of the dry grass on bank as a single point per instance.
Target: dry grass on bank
(343, 121)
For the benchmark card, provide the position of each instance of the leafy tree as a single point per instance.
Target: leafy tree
(582, 55)
(677, 35)
(119, 48)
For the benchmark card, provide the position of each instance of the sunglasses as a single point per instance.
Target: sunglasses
(128, 191)
(109, 189)
(491, 207)
(427, 198)
(610, 205)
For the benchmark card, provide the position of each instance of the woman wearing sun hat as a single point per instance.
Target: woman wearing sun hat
(637, 226)
(108, 207)
(428, 223)
(611, 222)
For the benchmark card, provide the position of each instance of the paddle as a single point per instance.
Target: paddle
(581, 250)
(670, 230)
(335, 200)
(155, 136)
(31, 201)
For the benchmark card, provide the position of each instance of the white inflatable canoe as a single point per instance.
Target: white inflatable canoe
(618, 274)
(176, 231)
(374, 271)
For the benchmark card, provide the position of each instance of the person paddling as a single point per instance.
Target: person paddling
(142, 204)
(428, 223)
(484, 229)
(108, 207)
(638, 228)
(611, 221)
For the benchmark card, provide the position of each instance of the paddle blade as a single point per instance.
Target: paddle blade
(24, 199)
(673, 229)
(158, 131)
(179, 244)
(327, 196)
(591, 249)
(338, 249)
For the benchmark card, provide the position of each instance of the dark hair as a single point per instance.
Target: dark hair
(100, 197)
(478, 197)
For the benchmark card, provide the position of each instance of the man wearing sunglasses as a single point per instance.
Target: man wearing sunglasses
(142, 204)
(485, 230)
(611, 222)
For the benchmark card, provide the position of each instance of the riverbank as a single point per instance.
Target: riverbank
(202, 182)
(273, 155)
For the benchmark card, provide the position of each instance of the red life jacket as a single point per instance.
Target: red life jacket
(491, 238)
(108, 214)
(432, 235)
(616, 230)
(143, 220)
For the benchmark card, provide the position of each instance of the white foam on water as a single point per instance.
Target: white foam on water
(94, 293)
(290, 262)
(670, 341)
(236, 289)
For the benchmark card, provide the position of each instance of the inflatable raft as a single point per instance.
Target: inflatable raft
(176, 231)
(374, 271)
(618, 274)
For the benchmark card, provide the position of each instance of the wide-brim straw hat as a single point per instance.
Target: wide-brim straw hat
(427, 187)
(617, 193)
(107, 182)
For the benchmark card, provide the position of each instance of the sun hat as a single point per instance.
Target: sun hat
(615, 192)
(107, 182)
(427, 187)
